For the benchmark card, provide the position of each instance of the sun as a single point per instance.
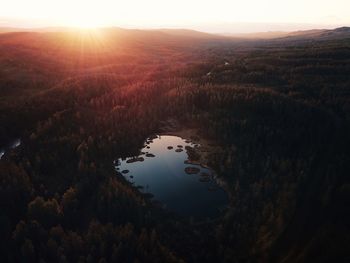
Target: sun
(84, 21)
(83, 14)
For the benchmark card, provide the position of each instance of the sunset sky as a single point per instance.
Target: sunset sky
(204, 15)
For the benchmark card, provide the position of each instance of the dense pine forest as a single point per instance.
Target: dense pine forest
(279, 109)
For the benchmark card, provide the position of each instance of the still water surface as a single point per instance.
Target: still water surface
(9, 147)
(164, 176)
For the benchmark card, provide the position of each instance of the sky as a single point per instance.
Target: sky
(210, 16)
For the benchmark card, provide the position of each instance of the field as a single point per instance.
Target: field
(278, 109)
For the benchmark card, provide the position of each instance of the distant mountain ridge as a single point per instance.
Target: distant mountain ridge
(341, 32)
(322, 34)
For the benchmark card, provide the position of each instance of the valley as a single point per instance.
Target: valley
(269, 124)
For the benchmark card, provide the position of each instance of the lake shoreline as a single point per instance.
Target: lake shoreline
(175, 176)
(209, 153)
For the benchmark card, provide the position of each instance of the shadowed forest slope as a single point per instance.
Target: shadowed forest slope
(280, 110)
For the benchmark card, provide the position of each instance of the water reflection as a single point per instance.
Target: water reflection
(162, 170)
(11, 146)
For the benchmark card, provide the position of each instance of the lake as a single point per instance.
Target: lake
(163, 170)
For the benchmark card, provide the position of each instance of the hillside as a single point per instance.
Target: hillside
(272, 118)
(315, 34)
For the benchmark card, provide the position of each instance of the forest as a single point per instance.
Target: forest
(279, 109)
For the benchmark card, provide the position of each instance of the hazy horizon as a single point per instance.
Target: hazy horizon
(215, 28)
(220, 17)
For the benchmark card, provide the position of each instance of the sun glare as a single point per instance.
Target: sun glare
(83, 24)
(81, 14)
(164, 13)
(84, 21)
